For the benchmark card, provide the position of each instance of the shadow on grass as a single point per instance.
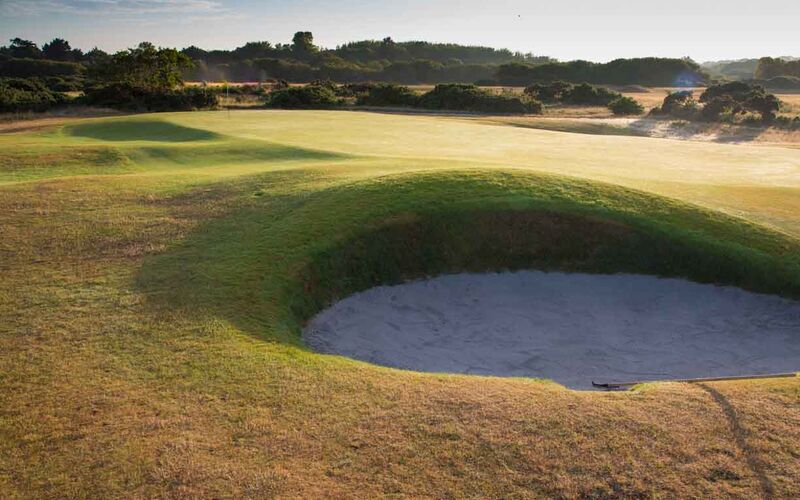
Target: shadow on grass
(222, 153)
(139, 130)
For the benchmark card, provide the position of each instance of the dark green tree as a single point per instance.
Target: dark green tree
(58, 50)
(96, 57)
(24, 49)
(145, 67)
(303, 45)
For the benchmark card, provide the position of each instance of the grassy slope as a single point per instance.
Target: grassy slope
(146, 349)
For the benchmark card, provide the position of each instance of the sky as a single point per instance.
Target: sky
(566, 29)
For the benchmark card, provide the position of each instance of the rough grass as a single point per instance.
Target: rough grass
(150, 314)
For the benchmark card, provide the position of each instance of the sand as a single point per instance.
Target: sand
(570, 328)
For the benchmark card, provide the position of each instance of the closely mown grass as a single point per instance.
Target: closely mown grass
(151, 313)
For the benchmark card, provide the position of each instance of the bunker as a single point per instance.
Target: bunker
(573, 328)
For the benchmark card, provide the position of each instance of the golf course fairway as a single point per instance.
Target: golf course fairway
(157, 271)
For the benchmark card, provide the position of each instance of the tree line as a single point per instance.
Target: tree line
(371, 60)
(651, 71)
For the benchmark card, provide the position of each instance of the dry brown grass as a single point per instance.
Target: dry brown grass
(104, 396)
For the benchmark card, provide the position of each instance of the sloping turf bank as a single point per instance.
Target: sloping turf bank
(289, 264)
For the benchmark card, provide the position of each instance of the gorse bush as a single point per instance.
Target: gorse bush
(679, 104)
(461, 97)
(589, 95)
(582, 94)
(739, 98)
(27, 94)
(548, 92)
(29, 68)
(64, 84)
(130, 97)
(306, 97)
(451, 97)
(735, 102)
(387, 94)
(623, 106)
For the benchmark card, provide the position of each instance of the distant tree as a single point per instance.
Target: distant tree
(95, 57)
(303, 45)
(641, 71)
(254, 50)
(769, 67)
(58, 50)
(24, 49)
(145, 67)
(195, 53)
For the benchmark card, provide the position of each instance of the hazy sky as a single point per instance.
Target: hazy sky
(567, 29)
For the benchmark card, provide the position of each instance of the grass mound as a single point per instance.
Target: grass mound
(139, 130)
(352, 237)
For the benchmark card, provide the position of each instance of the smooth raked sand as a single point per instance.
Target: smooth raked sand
(571, 328)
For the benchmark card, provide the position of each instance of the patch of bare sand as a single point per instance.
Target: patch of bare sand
(571, 328)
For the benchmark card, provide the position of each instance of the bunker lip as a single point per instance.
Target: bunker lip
(571, 328)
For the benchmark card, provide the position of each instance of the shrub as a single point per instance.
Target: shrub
(387, 94)
(548, 92)
(359, 88)
(328, 84)
(679, 104)
(28, 68)
(738, 91)
(787, 123)
(767, 105)
(26, 94)
(739, 97)
(585, 94)
(718, 106)
(306, 97)
(64, 84)
(461, 97)
(625, 106)
(130, 97)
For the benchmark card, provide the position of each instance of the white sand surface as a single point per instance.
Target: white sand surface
(571, 328)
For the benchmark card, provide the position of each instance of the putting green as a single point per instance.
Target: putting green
(157, 270)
